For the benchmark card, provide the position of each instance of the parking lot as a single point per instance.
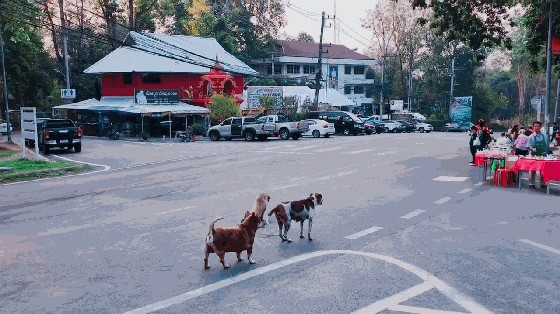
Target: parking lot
(404, 227)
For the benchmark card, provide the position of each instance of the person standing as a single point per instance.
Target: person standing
(472, 143)
(538, 145)
(483, 134)
(521, 148)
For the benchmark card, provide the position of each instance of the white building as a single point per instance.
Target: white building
(343, 68)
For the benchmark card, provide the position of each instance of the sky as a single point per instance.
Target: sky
(305, 15)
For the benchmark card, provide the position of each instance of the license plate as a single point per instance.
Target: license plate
(63, 141)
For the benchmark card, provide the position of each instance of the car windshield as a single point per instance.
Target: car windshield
(262, 120)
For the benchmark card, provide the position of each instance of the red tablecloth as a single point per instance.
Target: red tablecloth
(549, 169)
(481, 156)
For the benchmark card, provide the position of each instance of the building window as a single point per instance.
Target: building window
(347, 89)
(308, 69)
(127, 78)
(347, 70)
(370, 74)
(277, 69)
(359, 70)
(151, 78)
(358, 89)
(292, 69)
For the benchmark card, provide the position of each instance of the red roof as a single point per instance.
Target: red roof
(294, 48)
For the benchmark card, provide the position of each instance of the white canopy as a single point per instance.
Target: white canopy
(174, 109)
(126, 104)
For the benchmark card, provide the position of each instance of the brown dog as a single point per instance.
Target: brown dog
(233, 239)
(259, 207)
(295, 210)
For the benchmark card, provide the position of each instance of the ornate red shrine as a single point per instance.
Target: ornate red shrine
(215, 82)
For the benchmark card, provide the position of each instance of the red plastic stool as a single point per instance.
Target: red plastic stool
(503, 177)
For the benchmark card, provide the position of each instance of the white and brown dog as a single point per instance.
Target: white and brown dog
(233, 239)
(296, 210)
(259, 207)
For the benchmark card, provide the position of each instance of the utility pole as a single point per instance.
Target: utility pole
(548, 69)
(5, 87)
(381, 98)
(319, 72)
(452, 84)
(556, 108)
(65, 42)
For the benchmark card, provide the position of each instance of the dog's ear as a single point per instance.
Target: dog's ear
(253, 214)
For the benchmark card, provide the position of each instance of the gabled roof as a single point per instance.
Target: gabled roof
(149, 52)
(296, 48)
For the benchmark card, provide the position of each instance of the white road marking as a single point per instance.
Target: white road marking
(360, 151)
(420, 310)
(328, 149)
(175, 210)
(275, 152)
(105, 167)
(413, 214)
(479, 183)
(304, 148)
(363, 233)
(276, 147)
(465, 191)
(450, 179)
(443, 200)
(452, 293)
(540, 246)
(395, 299)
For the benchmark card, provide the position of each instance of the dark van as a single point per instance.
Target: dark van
(344, 122)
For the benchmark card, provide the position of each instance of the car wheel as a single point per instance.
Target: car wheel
(327, 135)
(427, 131)
(284, 134)
(249, 136)
(346, 132)
(421, 130)
(316, 133)
(386, 130)
(369, 131)
(214, 136)
(78, 148)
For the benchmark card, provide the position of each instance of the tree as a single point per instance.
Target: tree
(222, 107)
(303, 36)
(267, 103)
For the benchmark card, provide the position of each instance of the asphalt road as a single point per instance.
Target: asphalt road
(404, 227)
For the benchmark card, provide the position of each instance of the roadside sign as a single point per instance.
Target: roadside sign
(67, 93)
(29, 129)
(536, 102)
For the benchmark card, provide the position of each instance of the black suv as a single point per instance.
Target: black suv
(344, 122)
(408, 127)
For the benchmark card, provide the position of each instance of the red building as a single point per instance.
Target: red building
(182, 71)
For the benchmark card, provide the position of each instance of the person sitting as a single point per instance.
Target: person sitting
(520, 147)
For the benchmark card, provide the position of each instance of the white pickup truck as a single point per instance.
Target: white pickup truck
(241, 127)
(285, 126)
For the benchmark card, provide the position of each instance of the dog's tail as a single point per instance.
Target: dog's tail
(212, 225)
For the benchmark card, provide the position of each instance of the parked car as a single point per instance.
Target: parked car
(451, 127)
(241, 127)
(285, 127)
(391, 126)
(422, 126)
(408, 127)
(344, 122)
(4, 127)
(465, 127)
(318, 128)
(373, 126)
(57, 133)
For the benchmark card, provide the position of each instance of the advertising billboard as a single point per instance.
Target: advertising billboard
(460, 110)
(254, 93)
(156, 97)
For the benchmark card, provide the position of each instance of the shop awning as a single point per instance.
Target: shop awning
(174, 109)
(126, 105)
(84, 104)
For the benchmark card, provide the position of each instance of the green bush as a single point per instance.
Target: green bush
(198, 129)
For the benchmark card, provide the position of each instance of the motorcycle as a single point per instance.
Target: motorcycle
(113, 135)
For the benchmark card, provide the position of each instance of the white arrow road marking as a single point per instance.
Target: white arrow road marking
(443, 200)
(465, 191)
(413, 214)
(541, 246)
(431, 281)
(420, 310)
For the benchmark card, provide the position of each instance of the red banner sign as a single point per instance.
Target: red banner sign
(555, 46)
